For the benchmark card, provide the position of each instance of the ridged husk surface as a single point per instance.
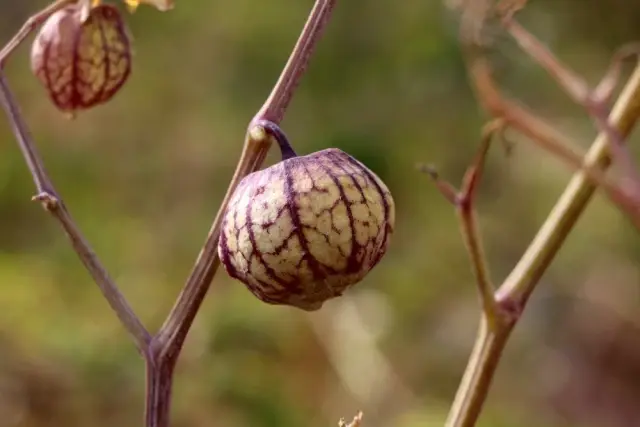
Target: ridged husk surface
(82, 64)
(303, 230)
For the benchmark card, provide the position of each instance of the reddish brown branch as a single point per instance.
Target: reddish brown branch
(592, 100)
(544, 135)
(464, 201)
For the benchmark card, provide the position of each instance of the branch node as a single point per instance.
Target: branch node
(445, 188)
(510, 309)
(463, 200)
(49, 202)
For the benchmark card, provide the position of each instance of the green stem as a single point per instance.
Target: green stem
(476, 380)
(573, 201)
(518, 286)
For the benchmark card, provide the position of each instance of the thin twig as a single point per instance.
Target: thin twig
(31, 24)
(518, 286)
(274, 107)
(581, 93)
(572, 203)
(179, 320)
(464, 202)
(469, 223)
(52, 203)
(544, 135)
(604, 89)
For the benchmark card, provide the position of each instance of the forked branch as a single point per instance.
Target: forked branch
(513, 294)
(594, 101)
(464, 202)
(544, 135)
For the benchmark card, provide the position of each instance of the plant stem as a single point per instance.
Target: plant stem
(29, 26)
(274, 107)
(466, 211)
(53, 204)
(167, 344)
(158, 391)
(518, 286)
(548, 138)
(481, 367)
(522, 280)
(580, 92)
(254, 152)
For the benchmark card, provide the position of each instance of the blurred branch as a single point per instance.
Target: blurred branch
(464, 202)
(512, 296)
(53, 204)
(544, 135)
(342, 323)
(593, 101)
(497, 319)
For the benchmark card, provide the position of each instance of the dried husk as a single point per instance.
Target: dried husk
(82, 63)
(305, 229)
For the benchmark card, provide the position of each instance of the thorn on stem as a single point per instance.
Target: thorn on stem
(446, 189)
(49, 202)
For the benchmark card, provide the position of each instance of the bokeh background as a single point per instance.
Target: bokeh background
(144, 175)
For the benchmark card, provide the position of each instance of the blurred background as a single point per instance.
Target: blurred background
(143, 176)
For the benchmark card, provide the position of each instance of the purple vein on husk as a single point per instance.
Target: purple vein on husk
(290, 195)
(385, 203)
(352, 260)
(256, 251)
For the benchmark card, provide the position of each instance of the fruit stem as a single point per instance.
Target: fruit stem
(274, 131)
